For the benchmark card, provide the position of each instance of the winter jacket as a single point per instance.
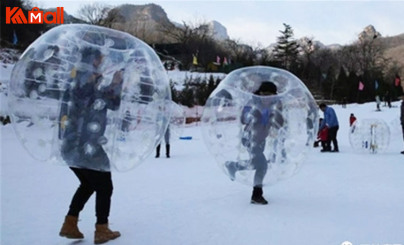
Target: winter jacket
(352, 119)
(258, 120)
(323, 134)
(330, 118)
(83, 119)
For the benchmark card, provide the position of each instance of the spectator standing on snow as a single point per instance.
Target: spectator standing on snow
(377, 102)
(331, 121)
(167, 141)
(352, 119)
(387, 98)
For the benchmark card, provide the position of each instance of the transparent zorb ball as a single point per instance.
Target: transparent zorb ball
(177, 120)
(88, 96)
(257, 138)
(369, 135)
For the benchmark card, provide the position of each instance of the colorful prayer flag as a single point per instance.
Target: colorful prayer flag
(361, 86)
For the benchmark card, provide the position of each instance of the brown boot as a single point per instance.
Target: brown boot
(104, 234)
(70, 229)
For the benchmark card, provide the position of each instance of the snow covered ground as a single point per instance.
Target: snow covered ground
(187, 200)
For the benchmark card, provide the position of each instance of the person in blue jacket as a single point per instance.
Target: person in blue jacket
(258, 119)
(330, 121)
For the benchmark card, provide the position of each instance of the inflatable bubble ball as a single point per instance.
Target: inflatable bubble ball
(177, 120)
(369, 135)
(259, 123)
(89, 97)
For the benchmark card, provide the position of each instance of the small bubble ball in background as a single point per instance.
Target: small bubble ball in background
(291, 116)
(369, 135)
(88, 96)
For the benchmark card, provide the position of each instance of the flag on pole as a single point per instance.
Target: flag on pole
(194, 60)
(218, 59)
(15, 38)
(361, 86)
(397, 81)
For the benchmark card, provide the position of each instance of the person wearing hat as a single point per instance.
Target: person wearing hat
(258, 119)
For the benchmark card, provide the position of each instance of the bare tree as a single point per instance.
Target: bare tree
(94, 13)
(113, 17)
(240, 52)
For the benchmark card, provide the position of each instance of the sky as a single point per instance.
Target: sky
(258, 22)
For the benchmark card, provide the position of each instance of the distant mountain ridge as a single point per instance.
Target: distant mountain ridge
(148, 12)
(152, 17)
(140, 19)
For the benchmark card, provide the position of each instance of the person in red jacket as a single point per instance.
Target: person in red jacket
(352, 119)
(322, 136)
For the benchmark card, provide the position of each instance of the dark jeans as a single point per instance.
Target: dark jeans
(92, 181)
(332, 137)
(258, 163)
(402, 125)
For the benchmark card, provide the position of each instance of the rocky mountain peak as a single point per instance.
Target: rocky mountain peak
(218, 31)
(148, 12)
(369, 33)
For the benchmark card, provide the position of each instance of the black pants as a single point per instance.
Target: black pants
(332, 137)
(402, 126)
(92, 181)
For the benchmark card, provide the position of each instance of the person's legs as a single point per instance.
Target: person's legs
(167, 140)
(168, 150)
(83, 193)
(158, 151)
(101, 182)
(233, 167)
(90, 181)
(402, 125)
(332, 135)
(335, 141)
(260, 164)
(323, 145)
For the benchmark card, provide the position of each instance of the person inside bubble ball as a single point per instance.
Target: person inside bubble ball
(83, 120)
(258, 119)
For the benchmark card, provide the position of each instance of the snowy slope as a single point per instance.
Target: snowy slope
(187, 200)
